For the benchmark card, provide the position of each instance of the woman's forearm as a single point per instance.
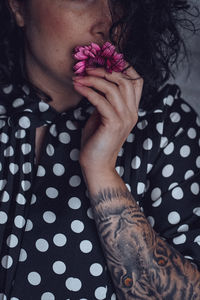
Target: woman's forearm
(142, 265)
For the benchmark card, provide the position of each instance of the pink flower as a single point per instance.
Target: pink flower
(95, 56)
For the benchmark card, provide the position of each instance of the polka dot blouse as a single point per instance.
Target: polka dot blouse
(49, 246)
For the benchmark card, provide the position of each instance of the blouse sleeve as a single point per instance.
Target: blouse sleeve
(173, 196)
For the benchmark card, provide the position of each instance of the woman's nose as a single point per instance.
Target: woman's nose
(103, 22)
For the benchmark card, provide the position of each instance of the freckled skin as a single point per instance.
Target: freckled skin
(52, 29)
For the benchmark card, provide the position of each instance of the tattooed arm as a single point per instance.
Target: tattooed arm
(142, 264)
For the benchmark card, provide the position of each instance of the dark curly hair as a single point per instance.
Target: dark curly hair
(150, 39)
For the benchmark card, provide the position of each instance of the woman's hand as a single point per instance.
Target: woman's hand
(116, 100)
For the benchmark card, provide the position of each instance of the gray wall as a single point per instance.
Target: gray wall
(190, 85)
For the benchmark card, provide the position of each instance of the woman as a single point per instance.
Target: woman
(121, 144)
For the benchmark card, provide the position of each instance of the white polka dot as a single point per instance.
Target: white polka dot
(52, 192)
(172, 185)
(157, 202)
(185, 107)
(18, 102)
(43, 106)
(113, 297)
(24, 122)
(198, 162)
(175, 117)
(3, 183)
(195, 188)
(156, 193)
(174, 217)
(90, 213)
(58, 169)
(130, 138)
(177, 193)
(196, 211)
(7, 90)
(169, 100)
(50, 150)
(181, 239)
(74, 154)
(4, 138)
(198, 121)
(12, 241)
(197, 240)
(120, 170)
(141, 112)
(23, 255)
(128, 187)
(136, 162)
(73, 284)
(13, 168)
(42, 245)
(71, 125)
(151, 221)
(8, 152)
(26, 149)
(26, 89)
(163, 142)
(25, 185)
(96, 269)
(192, 133)
(53, 130)
(13, 298)
(86, 246)
(33, 199)
(2, 110)
(6, 261)
(149, 168)
(75, 181)
(59, 267)
(26, 168)
(121, 151)
(188, 174)
(142, 125)
(148, 144)
(59, 239)
(183, 228)
(185, 151)
(167, 171)
(49, 217)
(140, 188)
(29, 225)
(159, 127)
(169, 149)
(47, 296)
(20, 134)
(100, 293)
(74, 203)
(41, 171)
(5, 197)
(19, 221)
(64, 138)
(179, 132)
(34, 278)
(77, 226)
(2, 124)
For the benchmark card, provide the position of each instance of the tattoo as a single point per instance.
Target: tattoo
(142, 264)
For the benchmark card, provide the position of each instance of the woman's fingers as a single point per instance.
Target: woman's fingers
(103, 106)
(109, 89)
(129, 83)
